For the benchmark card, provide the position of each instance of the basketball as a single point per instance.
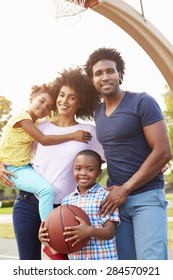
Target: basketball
(61, 217)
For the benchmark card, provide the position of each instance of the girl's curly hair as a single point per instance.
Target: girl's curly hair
(101, 54)
(36, 90)
(78, 80)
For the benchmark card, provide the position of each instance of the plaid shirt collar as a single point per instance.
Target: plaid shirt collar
(91, 190)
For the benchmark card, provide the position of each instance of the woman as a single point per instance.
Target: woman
(16, 146)
(77, 98)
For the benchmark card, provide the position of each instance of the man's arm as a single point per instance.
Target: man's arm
(157, 137)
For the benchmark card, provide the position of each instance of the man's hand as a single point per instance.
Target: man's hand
(4, 174)
(116, 197)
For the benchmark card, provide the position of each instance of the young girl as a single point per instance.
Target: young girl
(16, 146)
(76, 98)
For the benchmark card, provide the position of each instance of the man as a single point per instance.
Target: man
(132, 130)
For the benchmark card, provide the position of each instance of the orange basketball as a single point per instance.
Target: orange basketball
(61, 217)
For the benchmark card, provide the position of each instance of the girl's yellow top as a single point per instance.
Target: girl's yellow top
(16, 144)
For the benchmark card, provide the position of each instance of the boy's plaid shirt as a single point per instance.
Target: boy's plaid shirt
(90, 202)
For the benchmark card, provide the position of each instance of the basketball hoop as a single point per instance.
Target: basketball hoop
(68, 12)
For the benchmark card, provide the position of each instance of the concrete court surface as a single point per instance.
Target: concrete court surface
(8, 250)
(8, 247)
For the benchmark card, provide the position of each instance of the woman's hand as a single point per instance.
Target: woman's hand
(4, 174)
(163, 170)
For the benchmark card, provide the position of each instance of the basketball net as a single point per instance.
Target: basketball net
(68, 12)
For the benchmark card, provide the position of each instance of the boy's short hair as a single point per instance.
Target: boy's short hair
(92, 154)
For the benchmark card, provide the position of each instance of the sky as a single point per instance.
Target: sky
(35, 47)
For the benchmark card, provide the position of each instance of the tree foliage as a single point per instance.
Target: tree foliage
(168, 113)
(5, 109)
(168, 98)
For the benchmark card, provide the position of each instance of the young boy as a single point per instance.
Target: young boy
(89, 196)
(16, 146)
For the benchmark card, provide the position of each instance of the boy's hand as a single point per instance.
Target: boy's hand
(43, 235)
(77, 233)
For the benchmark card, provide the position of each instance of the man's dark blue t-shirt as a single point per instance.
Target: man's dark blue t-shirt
(123, 140)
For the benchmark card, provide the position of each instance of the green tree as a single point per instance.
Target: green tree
(168, 113)
(5, 109)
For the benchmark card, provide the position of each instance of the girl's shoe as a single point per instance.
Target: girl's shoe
(54, 256)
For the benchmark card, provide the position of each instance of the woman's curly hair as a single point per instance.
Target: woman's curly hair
(78, 81)
(101, 54)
